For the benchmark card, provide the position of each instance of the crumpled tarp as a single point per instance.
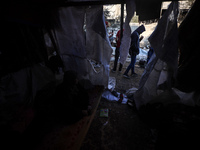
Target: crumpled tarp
(163, 62)
(164, 39)
(109, 96)
(78, 48)
(21, 92)
(126, 39)
(21, 87)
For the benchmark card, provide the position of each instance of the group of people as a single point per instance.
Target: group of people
(133, 51)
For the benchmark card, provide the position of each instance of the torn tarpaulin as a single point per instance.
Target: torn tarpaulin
(165, 58)
(164, 39)
(126, 39)
(77, 47)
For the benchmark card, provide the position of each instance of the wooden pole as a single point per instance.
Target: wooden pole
(122, 21)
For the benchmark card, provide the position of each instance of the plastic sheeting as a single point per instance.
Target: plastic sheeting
(163, 63)
(111, 83)
(164, 39)
(22, 86)
(97, 45)
(78, 48)
(126, 39)
(21, 92)
(109, 96)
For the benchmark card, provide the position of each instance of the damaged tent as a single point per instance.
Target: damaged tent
(174, 63)
(169, 94)
(44, 39)
(46, 70)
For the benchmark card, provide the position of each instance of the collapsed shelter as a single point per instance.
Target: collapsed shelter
(74, 33)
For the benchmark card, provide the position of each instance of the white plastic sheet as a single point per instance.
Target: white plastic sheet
(164, 42)
(126, 39)
(78, 48)
(164, 39)
(111, 83)
(109, 96)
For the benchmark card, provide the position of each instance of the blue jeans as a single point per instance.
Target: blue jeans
(131, 65)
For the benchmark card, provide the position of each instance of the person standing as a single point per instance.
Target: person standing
(111, 38)
(134, 50)
(110, 34)
(117, 53)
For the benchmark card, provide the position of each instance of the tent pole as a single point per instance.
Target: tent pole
(122, 20)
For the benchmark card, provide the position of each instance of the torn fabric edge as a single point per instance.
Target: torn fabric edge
(160, 40)
(126, 39)
(76, 46)
(98, 47)
(166, 33)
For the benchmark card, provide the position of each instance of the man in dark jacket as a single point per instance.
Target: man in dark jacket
(134, 49)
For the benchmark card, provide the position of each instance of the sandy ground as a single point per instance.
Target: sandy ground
(123, 84)
(122, 129)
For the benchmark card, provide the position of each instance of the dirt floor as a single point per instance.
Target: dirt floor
(123, 128)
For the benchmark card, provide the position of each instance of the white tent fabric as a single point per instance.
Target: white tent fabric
(163, 63)
(78, 48)
(22, 86)
(126, 39)
(167, 34)
(97, 45)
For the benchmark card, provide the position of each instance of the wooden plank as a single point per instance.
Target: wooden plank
(88, 121)
(71, 137)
